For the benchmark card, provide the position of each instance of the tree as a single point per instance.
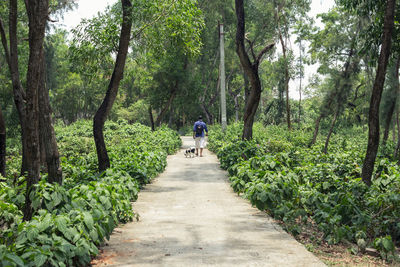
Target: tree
(37, 13)
(337, 48)
(2, 145)
(287, 13)
(390, 97)
(250, 69)
(373, 119)
(104, 109)
(13, 64)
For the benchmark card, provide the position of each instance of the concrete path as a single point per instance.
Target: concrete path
(189, 216)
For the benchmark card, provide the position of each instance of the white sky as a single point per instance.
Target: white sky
(89, 8)
(86, 9)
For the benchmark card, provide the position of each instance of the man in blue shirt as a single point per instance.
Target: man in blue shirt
(198, 135)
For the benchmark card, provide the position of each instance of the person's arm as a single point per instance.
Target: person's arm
(206, 129)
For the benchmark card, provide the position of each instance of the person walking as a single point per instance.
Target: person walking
(198, 135)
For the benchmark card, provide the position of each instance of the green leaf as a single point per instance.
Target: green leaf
(45, 223)
(61, 224)
(14, 258)
(93, 235)
(388, 244)
(56, 197)
(326, 185)
(263, 196)
(39, 260)
(32, 233)
(88, 219)
(46, 195)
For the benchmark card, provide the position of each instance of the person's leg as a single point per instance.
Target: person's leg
(197, 145)
(201, 146)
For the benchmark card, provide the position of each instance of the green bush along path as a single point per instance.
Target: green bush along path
(189, 216)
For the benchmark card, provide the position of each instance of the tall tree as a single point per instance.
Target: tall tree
(48, 142)
(2, 145)
(13, 64)
(250, 69)
(105, 107)
(37, 13)
(390, 97)
(373, 119)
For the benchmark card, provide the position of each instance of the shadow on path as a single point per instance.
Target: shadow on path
(189, 216)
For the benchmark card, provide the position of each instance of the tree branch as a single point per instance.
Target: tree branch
(4, 42)
(263, 51)
(251, 47)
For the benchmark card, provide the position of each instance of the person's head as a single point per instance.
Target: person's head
(200, 118)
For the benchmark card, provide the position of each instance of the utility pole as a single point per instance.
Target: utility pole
(222, 76)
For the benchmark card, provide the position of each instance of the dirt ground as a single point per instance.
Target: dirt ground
(189, 216)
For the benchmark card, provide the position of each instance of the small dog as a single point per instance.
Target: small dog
(190, 152)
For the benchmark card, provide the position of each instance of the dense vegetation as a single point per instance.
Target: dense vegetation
(71, 220)
(155, 62)
(303, 187)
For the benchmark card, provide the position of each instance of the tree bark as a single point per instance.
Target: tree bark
(286, 82)
(331, 130)
(112, 90)
(37, 13)
(316, 130)
(2, 145)
(47, 134)
(151, 119)
(12, 61)
(250, 69)
(373, 119)
(393, 101)
(396, 152)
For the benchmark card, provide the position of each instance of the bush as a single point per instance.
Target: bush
(71, 220)
(278, 173)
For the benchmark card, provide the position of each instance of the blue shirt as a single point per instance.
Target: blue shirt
(199, 122)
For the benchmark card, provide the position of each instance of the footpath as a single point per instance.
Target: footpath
(189, 216)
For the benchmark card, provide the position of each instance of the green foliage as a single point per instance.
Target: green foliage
(71, 220)
(385, 247)
(278, 173)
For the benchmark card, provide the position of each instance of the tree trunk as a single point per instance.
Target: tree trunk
(112, 90)
(246, 88)
(286, 83)
(12, 61)
(373, 119)
(398, 123)
(166, 107)
(251, 70)
(236, 100)
(37, 13)
(171, 117)
(209, 116)
(151, 119)
(2, 145)
(316, 130)
(331, 130)
(396, 152)
(47, 133)
(393, 99)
